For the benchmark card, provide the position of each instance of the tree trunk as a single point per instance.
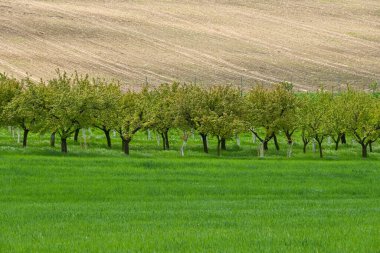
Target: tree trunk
(305, 142)
(336, 144)
(276, 142)
(219, 146)
(223, 144)
(63, 145)
(320, 148)
(204, 141)
(184, 143)
(266, 140)
(163, 141)
(26, 131)
(337, 140)
(364, 150)
(76, 135)
(253, 138)
(167, 139)
(289, 137)
(343, 138)
(108, 137)
(237, 140)
(265, 144)
(290, 150)
(261, 151)
(52, 140)
(314, 146)
(126, 146)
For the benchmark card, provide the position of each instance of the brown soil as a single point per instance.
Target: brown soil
(308, 42)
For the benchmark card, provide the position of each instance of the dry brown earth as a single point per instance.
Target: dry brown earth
(308, 42)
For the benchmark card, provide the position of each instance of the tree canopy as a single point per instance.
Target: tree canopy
(67, 103)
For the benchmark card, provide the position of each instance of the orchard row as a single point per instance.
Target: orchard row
(65, 104)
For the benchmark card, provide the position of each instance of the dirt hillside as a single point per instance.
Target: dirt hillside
(308, 42)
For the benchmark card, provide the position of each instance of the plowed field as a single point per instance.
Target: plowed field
(307, 42)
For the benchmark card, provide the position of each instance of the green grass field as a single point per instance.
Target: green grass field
(98, 200)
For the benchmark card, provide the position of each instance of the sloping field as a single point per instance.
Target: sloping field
(306, 41)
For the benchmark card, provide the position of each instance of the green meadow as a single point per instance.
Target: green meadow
(95, 199)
